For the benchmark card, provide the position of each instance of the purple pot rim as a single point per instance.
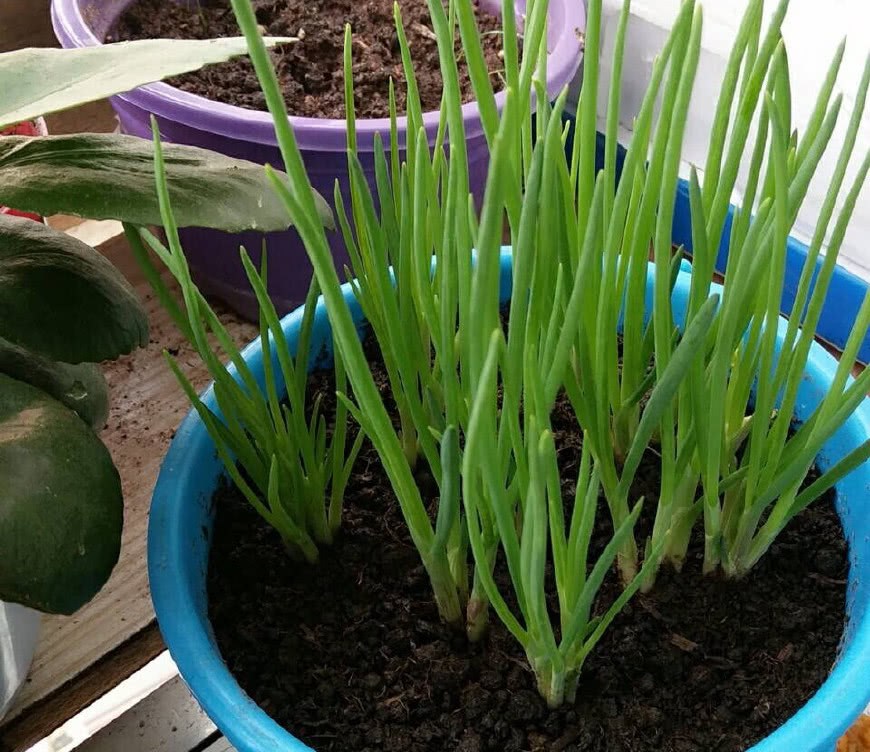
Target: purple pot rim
(322, 134)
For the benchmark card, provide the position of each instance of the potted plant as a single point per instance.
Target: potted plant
(66, 309)
(21, 625)
(188, 118)
(506, 459)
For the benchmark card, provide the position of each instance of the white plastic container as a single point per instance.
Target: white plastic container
(19, 631)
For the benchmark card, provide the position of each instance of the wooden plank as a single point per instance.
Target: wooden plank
(71, 668)
(25, 23)
(857, 738)
(169, 719)
(94, 117)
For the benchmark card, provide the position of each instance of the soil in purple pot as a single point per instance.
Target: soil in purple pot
(350, 656)
(311, 70)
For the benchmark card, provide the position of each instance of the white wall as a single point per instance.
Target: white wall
(812, 32)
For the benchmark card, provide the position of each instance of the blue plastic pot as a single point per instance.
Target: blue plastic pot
(181, 521)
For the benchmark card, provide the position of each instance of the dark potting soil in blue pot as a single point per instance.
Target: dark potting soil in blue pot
(350, 654)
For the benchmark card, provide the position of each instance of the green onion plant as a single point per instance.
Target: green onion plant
(606, 386)
(426, 263)
(281, 454)
(726, 439)
(733, 423)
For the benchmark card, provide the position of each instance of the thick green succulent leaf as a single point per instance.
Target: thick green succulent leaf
(40, 81)
(61, 507)
(109, 176)
(81, 387)
(62, 299)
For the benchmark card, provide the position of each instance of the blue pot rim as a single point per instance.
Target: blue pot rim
(183, 620)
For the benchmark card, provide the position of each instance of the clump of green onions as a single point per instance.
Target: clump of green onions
(441, 302)
(731, 428)
(426, 265)
(707, 390)
(713, 441)
(607, 391)
(281, 455)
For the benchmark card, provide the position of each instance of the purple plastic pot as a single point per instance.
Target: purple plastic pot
(247, 134)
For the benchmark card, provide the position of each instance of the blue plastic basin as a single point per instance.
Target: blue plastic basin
(180, 529)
